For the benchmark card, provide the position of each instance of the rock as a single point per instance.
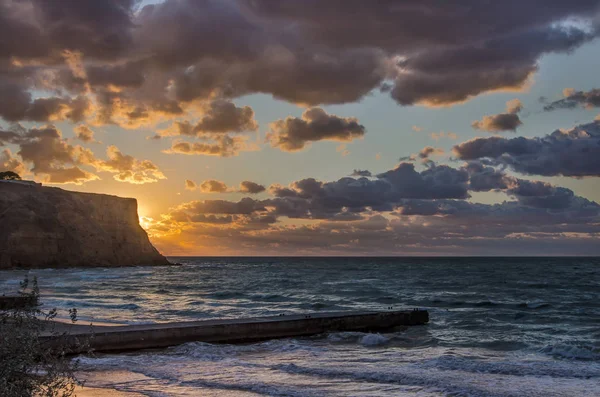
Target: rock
(51, 227)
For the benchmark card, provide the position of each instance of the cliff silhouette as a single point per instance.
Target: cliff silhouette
(51, 227)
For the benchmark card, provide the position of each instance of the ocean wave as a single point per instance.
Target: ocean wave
(573, 351)
(373, 340)
(362, 338)
(253, 387)
(217, 352)
(225, 295)
(515, 366)
(406, 376)
(345, 337)
(534, 305)
(269, 297)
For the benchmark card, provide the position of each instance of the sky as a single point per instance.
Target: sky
(254, 127)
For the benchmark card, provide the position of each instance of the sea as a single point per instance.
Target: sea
(498, 327)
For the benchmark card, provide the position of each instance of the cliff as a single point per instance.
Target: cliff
(51, 227)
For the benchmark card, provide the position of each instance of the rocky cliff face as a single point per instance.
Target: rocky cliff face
(51, 227)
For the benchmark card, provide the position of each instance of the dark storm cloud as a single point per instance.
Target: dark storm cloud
(180, 32)
(574, 99)
(47, 27)
(483, 178)
(450, 75)
(574, 152)
(538, 201)
(399, 211)
(418, 226)
(438, 190)
(543, 195)
(396, 25)
(508, 121)
(16, 104)
(161, 60)
(293, 134)
(310, 198)
(435, 182)
(125, 75)
(498, 51)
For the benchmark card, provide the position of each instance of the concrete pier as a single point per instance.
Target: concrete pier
(135, 337)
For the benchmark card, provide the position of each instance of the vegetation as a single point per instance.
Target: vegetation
(30, 366)
(9, 176)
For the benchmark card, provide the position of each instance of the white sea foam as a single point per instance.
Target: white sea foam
(373, 340)
(577, 352)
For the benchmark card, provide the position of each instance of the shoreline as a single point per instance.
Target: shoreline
(85, 391)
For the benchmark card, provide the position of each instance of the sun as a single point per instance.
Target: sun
(145, 222)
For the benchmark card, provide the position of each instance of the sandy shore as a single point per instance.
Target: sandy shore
(101, 392)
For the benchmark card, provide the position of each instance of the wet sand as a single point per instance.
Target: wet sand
(101, 392)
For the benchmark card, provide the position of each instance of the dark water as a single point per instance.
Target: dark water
(499, 326)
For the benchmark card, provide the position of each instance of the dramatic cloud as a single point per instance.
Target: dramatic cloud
(84, 133)
(220, 120)
(213, 186)
(50, 156)
(46, 28)
(8, 162)
(293, 134)
(56, 161)
(400, 211)
(190, 185)
(220, 117)
(251, 187)
(508, 121)
(224, 146)
(498, 51)
(573, 99)
(574, 152)
(129, 169)
(110, 62)
(449, 75)
(16, 105)
(309, 198)
(484, 178)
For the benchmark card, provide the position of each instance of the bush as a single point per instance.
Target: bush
(9, 176)
(29, 365)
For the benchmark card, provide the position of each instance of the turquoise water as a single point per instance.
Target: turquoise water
(499, 326)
